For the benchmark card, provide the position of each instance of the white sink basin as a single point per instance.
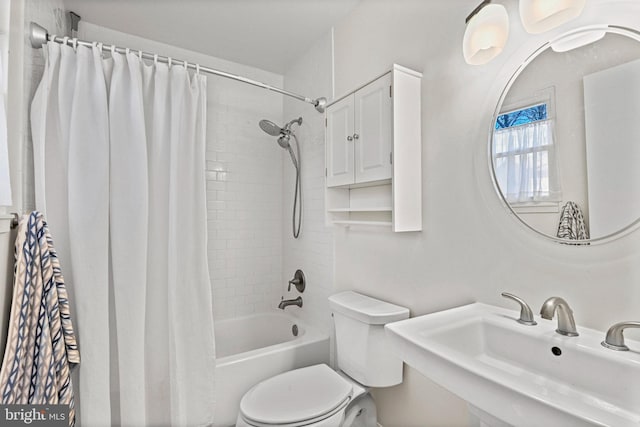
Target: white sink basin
(509, 370)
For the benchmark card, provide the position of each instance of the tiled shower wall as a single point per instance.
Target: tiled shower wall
(244, 193)
(312, 75)
(244, 168)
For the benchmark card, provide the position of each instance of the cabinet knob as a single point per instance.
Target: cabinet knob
(349, 138)
(356, 136)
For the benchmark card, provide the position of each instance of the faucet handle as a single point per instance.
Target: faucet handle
(526, 315)
(614, 339)
(298, 281)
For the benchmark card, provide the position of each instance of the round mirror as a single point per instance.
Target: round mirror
(565, 137)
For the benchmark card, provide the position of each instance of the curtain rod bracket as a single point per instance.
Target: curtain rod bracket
(320, 104)
(38, 35)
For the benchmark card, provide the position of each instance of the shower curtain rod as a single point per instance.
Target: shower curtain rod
(39, 37)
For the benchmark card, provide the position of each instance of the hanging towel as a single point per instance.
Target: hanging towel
(572, 225)
(5, 181)
(41, 345)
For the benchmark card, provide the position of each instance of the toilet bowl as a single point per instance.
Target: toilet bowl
(317, 395)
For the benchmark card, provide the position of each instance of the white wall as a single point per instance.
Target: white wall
(244, 179)
(312, 252)
(471, 248)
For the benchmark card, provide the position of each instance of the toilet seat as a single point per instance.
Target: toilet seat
(296, 398)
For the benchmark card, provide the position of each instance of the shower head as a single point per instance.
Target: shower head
(270, 127)
(283, 140)
(274, 130)
(283, 134)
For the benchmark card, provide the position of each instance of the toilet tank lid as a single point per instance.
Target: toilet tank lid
(366, 309)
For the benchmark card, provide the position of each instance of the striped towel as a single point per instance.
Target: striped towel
(41, 345)
(572, 225)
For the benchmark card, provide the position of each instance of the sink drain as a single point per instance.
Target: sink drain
(294, 330)
(556, 351)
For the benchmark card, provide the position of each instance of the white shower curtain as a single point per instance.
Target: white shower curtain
(119, 151)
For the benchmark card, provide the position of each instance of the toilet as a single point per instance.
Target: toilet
(317, 395)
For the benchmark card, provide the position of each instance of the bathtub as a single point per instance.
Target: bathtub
(252, 348)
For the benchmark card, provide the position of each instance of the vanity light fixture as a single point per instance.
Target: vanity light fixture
(486, 34)
(539, 16)
(488, 26)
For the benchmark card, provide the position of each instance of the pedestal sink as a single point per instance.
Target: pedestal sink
(522, 375)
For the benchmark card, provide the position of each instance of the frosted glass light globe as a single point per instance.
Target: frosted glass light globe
(539, 16)
(486, 34)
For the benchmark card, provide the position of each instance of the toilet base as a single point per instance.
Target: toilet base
(361, 413)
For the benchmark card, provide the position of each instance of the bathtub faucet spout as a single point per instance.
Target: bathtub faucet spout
(287, 302)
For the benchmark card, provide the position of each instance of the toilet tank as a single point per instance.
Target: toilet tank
(362, 349)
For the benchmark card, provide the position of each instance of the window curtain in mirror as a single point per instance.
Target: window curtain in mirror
(525, 163)
(119, 151)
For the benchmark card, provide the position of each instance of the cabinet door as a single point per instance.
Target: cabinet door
(339, 146)
(373, 131)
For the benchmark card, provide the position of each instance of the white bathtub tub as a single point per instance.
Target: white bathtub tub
(252, 348)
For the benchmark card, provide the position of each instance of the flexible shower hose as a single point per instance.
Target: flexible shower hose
(297, 194)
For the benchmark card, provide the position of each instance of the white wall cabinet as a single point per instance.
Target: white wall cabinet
(359, 135)
(339, 143)
(373, 154)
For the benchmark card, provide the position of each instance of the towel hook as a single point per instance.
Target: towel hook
(15, 221)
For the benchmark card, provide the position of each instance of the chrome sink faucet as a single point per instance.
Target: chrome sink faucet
(615, 339)
(526, 315)
(287, 302)
(566, 323)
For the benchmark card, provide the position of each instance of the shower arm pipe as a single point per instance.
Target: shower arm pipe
(39, 36)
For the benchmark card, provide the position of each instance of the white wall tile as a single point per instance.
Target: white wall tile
(313, 250)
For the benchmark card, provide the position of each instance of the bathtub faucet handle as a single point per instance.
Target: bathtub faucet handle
(295, 282)
(298, 281)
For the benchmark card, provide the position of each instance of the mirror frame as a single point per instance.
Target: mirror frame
(615, 29)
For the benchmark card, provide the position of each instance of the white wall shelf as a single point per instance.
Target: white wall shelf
(371, 209)
(373, 153)
(366, 223)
